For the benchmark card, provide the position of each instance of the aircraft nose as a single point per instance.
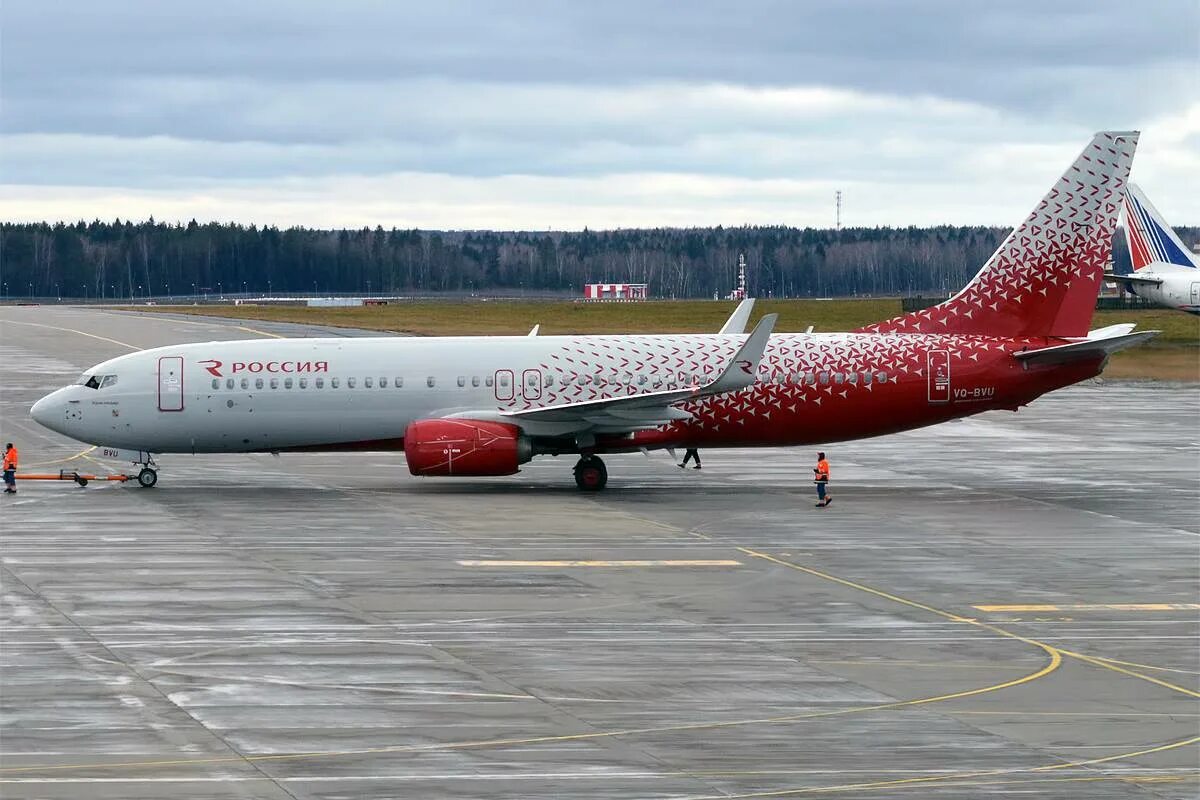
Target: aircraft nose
(43, 411)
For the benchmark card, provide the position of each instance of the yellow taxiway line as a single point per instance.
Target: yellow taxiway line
(1093, 607)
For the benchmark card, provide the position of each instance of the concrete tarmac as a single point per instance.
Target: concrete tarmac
(1008, 604)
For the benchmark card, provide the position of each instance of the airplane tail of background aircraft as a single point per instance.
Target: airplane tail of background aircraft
(1148, 235)
(1044, 278)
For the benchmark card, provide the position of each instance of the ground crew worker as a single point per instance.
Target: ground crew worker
(821, 479)
(691, 454)
(10, 469)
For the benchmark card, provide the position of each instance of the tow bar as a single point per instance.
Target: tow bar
(72, 475)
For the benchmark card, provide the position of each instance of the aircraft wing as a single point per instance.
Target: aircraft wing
(738, 319)
(1137, 279)
(1109, 341)
(650, 409)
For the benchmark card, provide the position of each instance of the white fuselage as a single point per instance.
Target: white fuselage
(1180, 287)
(268, 395)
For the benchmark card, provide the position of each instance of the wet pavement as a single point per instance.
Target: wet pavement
(1005, 604)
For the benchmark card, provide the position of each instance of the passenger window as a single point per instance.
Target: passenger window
(503, 380)
(350, 382)
(852, 378)
(823, 377)
(383, 383)
(108, 380)
(811, 379)
(430, 381)
(287, 383)
(304, 383)
(320, 383)
(462, 381)
(866, 376)
(838, 378)
(367, 383)
(333, 383)
(216, 383)
(245, 383)
(258, 384)
(474, 380)
(881, 377)
(274, 383)
(399, 383)
(641, 380)
(229, 383)
(549, 380)
(487, 380)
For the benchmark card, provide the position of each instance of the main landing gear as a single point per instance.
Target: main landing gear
(590, 474)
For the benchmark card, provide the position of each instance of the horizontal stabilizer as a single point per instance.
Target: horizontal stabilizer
(1087, 348)
(1140, 280)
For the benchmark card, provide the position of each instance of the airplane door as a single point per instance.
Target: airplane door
(531, 384)
(170, 383)
(504, 384)
(1196, 293)
(938, 375)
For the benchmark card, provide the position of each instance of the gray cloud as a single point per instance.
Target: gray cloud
(153, 96)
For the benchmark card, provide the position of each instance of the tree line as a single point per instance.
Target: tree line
(138, 260)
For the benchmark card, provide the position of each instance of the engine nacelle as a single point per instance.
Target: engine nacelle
(464, 447)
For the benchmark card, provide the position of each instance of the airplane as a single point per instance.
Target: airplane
(1164, 271)
(483, 406)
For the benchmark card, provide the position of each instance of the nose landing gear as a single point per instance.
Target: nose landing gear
(147, 478)
(591, 474)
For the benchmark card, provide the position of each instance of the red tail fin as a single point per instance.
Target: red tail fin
(1043, 280)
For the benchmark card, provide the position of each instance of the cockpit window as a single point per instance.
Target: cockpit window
(96, 381)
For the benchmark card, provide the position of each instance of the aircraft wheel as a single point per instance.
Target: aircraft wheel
(147, 478)
(590, 474)
(81, 481)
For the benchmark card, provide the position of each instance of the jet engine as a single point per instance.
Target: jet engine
(464, 447)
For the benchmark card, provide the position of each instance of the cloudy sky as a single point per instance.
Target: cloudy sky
(535, 115)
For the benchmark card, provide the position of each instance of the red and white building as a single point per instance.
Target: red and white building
(614, 291)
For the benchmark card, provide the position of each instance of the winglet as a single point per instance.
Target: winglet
(738, 319)
(742, 369)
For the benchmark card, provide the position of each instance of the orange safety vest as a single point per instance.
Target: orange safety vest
(822, 470)
(10, 458)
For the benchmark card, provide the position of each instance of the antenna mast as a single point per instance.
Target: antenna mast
(838, 215)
